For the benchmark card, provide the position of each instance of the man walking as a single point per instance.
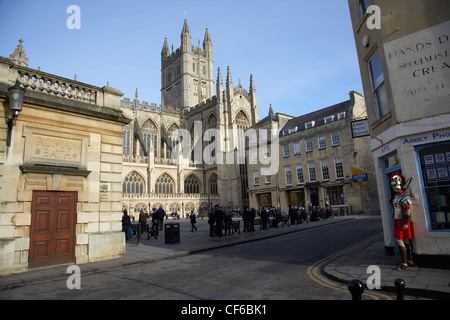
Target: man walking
(161, 214)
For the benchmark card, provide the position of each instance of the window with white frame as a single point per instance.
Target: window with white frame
(312, 171)
(335, 139)
(256, 178)
(339, 168)
(309, 145)
(341, 115)
(267, 179)
(297, 148)
(287, 172)
(328, 119)
(309, 124)
(286, 151)
(322, 143)
(299, 170)
(325, 171)
(378, 86)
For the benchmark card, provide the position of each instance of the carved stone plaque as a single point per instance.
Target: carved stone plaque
(57, 148)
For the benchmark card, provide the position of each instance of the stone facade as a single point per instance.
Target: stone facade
(316, 155)
(66, 140)
(405, 74)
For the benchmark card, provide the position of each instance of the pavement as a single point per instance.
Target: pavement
(344, 266)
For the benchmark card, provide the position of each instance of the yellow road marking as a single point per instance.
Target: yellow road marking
(314, 273)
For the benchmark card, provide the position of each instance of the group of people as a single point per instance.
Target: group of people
(216, 219)
(156, 216)
(317, 212)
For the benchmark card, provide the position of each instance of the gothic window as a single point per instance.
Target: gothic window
(242, 125)
(191, 185)
(126, 140)
(133, 184)
(212, 124)
(138, 207)
(175, 207)
(149, 134)
(173, 137)
(164, 184)
(213, 185)
(196, 155)
(242, 120)
(189, 207)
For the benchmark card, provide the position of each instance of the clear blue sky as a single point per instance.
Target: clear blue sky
(301, 53)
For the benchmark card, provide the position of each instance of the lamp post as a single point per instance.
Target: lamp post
(16, 94)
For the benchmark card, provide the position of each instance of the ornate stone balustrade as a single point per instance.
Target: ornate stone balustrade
(157, 161)
(54, 85)
(171, 196)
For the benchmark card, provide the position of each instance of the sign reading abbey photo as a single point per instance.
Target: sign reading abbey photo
(419, 67)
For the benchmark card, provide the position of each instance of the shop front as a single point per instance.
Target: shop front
(423, 158)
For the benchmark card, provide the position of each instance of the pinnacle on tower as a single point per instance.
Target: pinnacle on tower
(185, 38)
(165, 50)
(207, 38)
(185, 28)
(252, 84)
(219, 86)
(229, 80)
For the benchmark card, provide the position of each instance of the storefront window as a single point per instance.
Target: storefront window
(335, 196)
(435, 167)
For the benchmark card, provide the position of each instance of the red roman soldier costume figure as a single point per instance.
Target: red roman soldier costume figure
(401, 209)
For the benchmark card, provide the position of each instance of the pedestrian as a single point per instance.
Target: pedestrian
(246, 218)
(161, 214)
(143, 216)
(202, 212)
(328, 210)
(212, 223)
(155, 223)
(193, 217)
(126, 224)
(252, 219)
(219, 215)
(291, 214)
(264, 218)
(296, 215)
(228, 222)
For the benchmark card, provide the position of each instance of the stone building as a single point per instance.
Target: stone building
(60, 170)
(402, 49)
(213, 125)
(318, 160)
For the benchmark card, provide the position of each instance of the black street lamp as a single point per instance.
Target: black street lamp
(16, 94)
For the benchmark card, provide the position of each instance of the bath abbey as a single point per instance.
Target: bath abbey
(191, 101)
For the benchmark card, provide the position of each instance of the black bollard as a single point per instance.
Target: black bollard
(356, 288)
(400, 285)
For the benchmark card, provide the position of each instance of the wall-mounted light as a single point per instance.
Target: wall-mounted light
(16, 94)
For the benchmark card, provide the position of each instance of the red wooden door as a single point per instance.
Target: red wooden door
(52, 236)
